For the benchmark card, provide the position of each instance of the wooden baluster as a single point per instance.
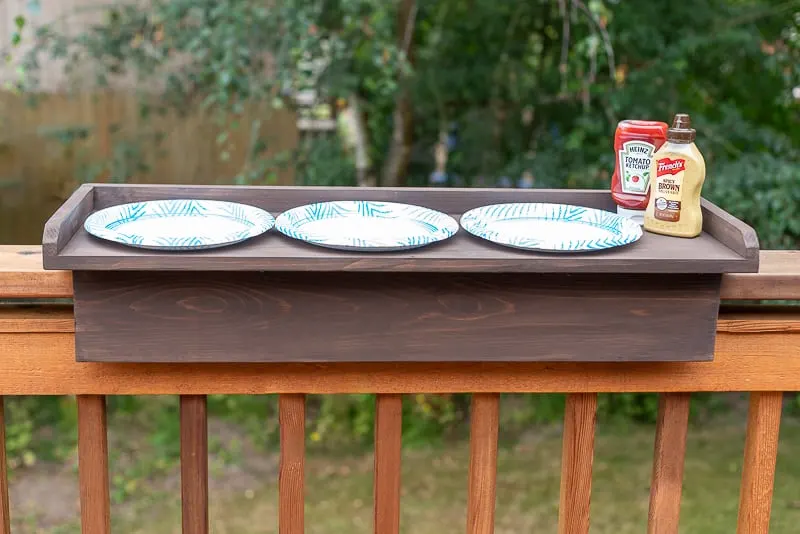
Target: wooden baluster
(291, 477)
(388, 446)
(5, 518)
(760, 455)
(93, 465)
(482, 485)
(194, 464)
(577, 457)
(668, 462)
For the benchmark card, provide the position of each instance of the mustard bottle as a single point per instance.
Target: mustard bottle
(679, 171)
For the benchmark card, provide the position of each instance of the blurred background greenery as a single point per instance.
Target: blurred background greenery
(445, 92)
(370, 92)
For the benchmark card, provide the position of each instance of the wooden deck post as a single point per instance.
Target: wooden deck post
(760, 455)
(93, 465)
(194, 464)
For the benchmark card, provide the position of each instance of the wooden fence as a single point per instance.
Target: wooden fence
(757, 351)
(43, 154)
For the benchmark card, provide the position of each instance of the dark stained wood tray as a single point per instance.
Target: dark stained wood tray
(727, 244)
(461, 300)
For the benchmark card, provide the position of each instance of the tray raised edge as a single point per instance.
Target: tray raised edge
(463, 253)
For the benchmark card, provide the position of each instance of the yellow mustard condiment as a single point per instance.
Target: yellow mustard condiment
(679, 171)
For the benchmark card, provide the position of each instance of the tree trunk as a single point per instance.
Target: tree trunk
(396, 165)
(364, 176)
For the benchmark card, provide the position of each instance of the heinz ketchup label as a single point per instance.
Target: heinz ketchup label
(635, 159)
(635, 144)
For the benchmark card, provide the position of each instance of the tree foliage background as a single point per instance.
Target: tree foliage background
(463, 92)
(470, 91)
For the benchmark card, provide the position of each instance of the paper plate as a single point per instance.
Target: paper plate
(366, 225)
(551, 227)
(183, 224)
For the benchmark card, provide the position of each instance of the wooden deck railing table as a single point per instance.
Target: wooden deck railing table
(757, 350)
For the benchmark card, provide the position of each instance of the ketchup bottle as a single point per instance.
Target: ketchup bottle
(635, 143)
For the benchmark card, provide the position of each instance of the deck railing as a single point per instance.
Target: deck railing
(757, 351)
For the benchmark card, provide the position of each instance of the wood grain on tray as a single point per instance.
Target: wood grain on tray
(126, 316)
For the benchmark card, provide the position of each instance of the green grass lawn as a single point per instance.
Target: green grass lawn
(434, 488)
(339, 488)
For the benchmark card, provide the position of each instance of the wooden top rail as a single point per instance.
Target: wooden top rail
(22, 276)
(754, 352)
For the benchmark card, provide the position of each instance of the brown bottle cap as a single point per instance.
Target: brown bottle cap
(681, 130)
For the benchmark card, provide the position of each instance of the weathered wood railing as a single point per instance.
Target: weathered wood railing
(757, 351)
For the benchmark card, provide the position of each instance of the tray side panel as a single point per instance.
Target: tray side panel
(66, 220)
(305, 317)
(277, 199)
(731, 232)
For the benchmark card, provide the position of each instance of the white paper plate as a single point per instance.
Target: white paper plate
(183, 224)
(366, 225)
(551, 227)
